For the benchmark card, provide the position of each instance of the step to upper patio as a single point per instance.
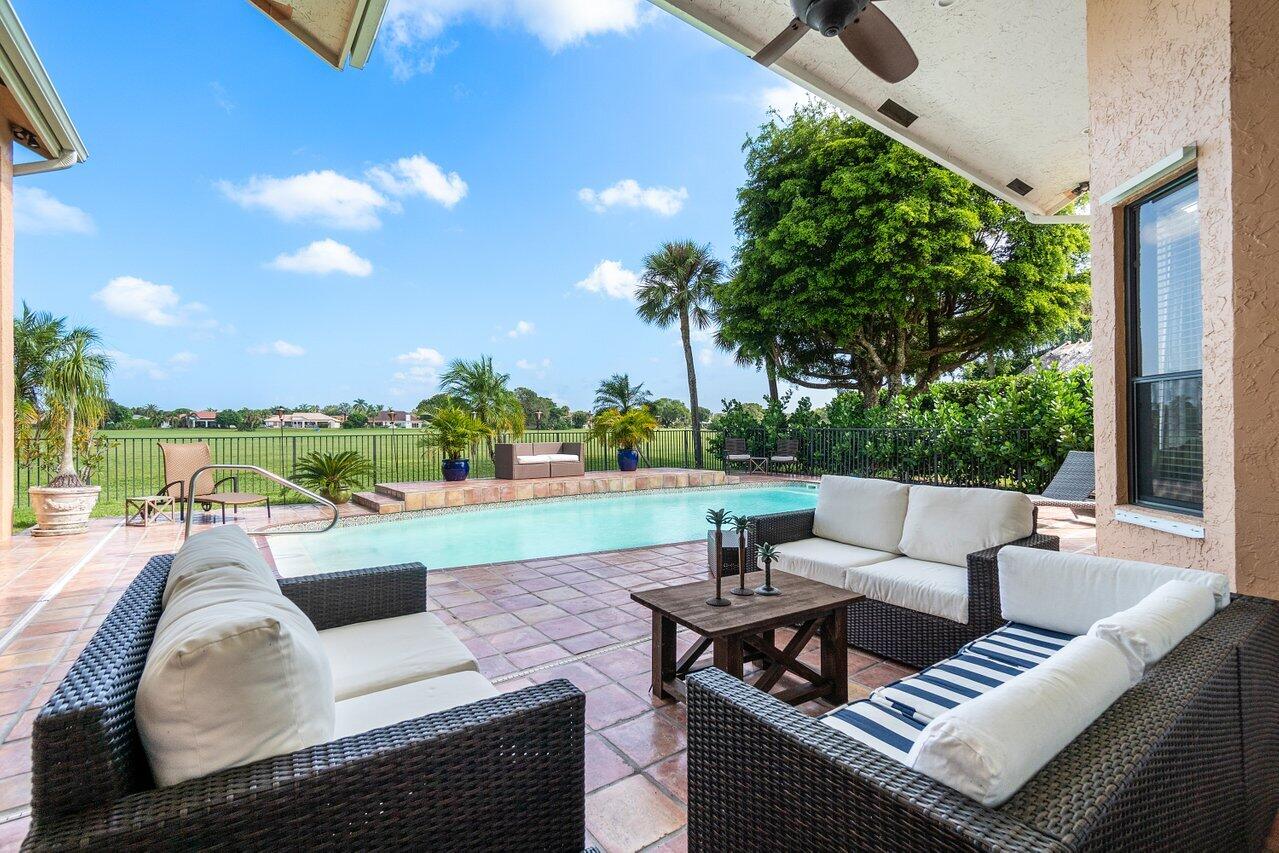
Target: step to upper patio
(388, 498)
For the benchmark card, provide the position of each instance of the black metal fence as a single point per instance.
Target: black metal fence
(132, 465)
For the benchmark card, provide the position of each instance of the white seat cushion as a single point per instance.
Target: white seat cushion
(230, 679)
(823, 560)
(408, 701)
(1069, 592)
(989, 747)
(533, 459)
(738, 457)
(370, 656)
(218, 548)
(938, 589)
(561, 457)
(1148, 630)
(781, 459)
(863, 512)
(945, 525)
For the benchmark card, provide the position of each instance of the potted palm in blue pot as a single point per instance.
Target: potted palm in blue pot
(626, 431)
(455, 432)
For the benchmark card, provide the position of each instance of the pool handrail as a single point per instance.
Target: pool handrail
(270, 475)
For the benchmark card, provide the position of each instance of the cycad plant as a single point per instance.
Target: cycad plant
(75, 381)
(334, 475)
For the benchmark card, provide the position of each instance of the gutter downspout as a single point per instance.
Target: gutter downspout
(66, 161)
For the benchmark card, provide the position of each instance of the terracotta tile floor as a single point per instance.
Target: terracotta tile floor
(569, 617)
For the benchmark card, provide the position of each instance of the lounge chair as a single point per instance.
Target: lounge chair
(1074, 486)
(181, 461)
(786, 455)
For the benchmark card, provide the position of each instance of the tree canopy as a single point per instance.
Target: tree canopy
(863, 265)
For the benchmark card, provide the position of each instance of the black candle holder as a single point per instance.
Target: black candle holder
(717, 517)
(742, 524)
(767, 553)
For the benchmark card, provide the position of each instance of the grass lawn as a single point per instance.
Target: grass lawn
(132, 464)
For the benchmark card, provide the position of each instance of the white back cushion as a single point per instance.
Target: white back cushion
(1069, 592)
(235, 673)
(989, 747)
(945, 525)
(863, 512)
(223, 546)
(1148, 630)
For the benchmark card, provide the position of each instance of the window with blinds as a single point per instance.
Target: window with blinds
(1165, 312)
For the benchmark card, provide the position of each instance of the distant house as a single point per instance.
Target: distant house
(207, 419)
(396, 420)
(304, 420)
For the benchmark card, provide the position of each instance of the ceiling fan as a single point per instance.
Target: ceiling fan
(870, 36)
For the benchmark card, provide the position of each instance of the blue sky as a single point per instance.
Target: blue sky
(253, 227)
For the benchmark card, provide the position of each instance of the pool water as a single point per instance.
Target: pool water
(532, 530)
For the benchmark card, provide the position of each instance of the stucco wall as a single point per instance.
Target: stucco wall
(1163, 74)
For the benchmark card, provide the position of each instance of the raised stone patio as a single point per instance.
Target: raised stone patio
(389, 498)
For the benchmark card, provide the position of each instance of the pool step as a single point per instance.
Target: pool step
(381, 504)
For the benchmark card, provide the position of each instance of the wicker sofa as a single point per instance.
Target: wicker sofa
(505, 772)
(962, 589)
(1187, 759)
(539, 459)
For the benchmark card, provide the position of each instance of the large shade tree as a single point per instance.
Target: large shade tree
(678, 282)
(863, 265)
(483, 391)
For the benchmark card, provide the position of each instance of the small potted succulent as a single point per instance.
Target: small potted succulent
(334, 475)
(455, 432)
(626, 431)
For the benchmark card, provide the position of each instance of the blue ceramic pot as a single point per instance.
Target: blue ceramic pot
(455, 470)
(627, 460)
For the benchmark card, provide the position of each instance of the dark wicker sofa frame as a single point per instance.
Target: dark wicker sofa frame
(500, 774)
(914, 638)
(1188, 759)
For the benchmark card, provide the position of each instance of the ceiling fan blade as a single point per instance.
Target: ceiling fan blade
(877, 43)
(788, 38)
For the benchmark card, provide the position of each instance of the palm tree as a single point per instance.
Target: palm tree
(484, 392)
(677, 284)
(76, 383)
(36, 336)
(617, 392)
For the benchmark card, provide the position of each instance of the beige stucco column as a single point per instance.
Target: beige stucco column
(1163, 74)
(6, 342)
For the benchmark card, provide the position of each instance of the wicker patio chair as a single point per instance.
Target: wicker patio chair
(737, 453)
(505, 773)
(1074, 486)
(181, 461)
(786, 455)
(909, 636)
(1188, 759)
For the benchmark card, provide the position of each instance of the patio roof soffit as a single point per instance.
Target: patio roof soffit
(1000, 95)
(338, 31)
(30, 104)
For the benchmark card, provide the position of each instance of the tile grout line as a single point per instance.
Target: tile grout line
(56, 587)
(613, 647)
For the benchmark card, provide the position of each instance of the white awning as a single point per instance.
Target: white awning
(1000, 96)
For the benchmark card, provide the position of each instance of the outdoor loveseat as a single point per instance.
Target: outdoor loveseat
(1179, 751)
(924, 558)
(435, 757)
(539, 459)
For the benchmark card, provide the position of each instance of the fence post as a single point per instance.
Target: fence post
(294, 465)
(687, 435)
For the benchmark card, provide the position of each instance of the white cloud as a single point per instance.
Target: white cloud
(422, 355)
(556, 23)
(36, 211)
(183, 358)
(127, 366)
(663, 201)
(538, 368)
(325, 197)
(418, 375)
(611, 279)
(284, 349)
(417, 175)
(783, 98)
(221, 97)
(522, 328)
(323, 257)
(157, 304)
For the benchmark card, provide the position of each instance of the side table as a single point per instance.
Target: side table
(142, 511)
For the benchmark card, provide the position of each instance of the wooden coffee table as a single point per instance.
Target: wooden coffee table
(745, 631)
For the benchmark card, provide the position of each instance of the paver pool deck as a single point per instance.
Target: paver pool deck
(568, 617)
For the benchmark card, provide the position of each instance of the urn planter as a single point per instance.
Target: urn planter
(456, 470)
(627, 460)
(62, 511)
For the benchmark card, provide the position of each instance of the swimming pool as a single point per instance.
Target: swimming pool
(531, 530)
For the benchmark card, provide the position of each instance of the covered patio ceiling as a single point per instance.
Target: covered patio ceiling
(1000, 95)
